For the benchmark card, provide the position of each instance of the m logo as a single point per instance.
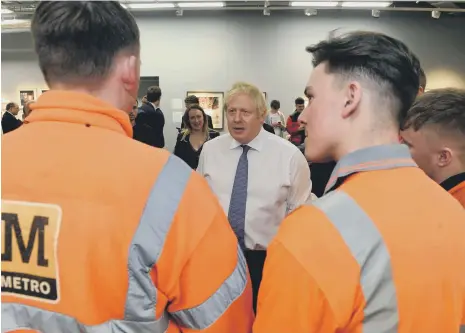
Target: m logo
(29, 243)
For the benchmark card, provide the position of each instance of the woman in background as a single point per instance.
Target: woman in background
(191, 139)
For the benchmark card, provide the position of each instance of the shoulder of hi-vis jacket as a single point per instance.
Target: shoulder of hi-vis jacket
(108, 235)
(340, 265)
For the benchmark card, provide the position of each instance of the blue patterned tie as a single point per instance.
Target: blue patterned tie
(236, 214)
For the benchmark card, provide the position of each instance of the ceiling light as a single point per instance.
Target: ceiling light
(313, 3)
(375, 13)
(266, 12)
(311, 12)
(436, 14)
(200, 4)
(179, 12)
(150, 5)
(6, 11)
(369, 4)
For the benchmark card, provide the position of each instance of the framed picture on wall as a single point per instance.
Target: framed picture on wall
(27, 95)
(264, 95)
(212, 102)
(43, 91)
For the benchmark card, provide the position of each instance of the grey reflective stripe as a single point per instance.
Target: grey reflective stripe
(462, 329)
(19, 316)
(366, 244)
(207, 313)
(150, 236)
(371, 158)
(144, 251)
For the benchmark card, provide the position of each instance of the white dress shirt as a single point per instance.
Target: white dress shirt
(278, 181)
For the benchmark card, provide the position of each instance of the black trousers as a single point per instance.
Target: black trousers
(255, 261)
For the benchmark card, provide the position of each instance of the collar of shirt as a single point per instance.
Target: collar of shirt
(453, 181)
(368, 159)
(256, 143)
(154, 106)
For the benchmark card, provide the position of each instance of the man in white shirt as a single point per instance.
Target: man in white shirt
(258, 177)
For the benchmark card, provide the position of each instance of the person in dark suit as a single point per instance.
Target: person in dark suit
(268, 128)
(9, 121)
(191, 139)
(150, 120)
(194, 100)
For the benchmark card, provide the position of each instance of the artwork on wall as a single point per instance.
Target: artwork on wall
(212, 103)
(27, 95)
(264, 95)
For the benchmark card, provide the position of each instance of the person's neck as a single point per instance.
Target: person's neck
(106, 95)
(156, 104)
(274, 111)
(446, 173)
(197, 133)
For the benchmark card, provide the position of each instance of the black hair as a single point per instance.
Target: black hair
(76, 41)
(153, 94)
(442, 107)
(299, 101)
(191, 99)
(379, 58)
(10, 105)
(275, 104)
(422, 79)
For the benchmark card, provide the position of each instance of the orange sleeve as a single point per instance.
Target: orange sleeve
(213, 292)
(289, 299)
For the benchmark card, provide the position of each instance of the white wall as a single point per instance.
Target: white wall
(210, 51)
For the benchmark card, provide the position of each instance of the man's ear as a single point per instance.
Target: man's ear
(353, 96)
(130, 73)
(444, 157)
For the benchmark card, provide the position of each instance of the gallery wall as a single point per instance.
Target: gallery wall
(209, 51)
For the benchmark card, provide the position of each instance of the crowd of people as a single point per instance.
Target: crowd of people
(104, 233)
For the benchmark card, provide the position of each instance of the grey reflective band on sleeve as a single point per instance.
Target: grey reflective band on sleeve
(366, 244)
(462, 329)
(150, 236)
(207, 313)
(18, 316)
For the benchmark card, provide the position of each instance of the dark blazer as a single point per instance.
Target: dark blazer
(268, 128)
(10, 123)
(209, 122)
(187, 153)
(149, 126)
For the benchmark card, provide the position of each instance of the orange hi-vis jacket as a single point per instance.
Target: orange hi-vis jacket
(455, 185)
(103, 234)
(368, 257)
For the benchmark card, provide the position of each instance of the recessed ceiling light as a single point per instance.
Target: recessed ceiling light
(368, 4)
(314, 3)
(150, 5)
(200, 4)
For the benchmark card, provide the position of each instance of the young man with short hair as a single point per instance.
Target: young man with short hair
(293, 126)
(434, 130)
(383, 250)
(101, 233)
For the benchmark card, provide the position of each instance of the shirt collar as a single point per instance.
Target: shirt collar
(368, 159)
(256, 143)
(79, 108)
(453, 181)
(154, 106)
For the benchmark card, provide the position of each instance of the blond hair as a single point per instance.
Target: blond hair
(251, 91)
